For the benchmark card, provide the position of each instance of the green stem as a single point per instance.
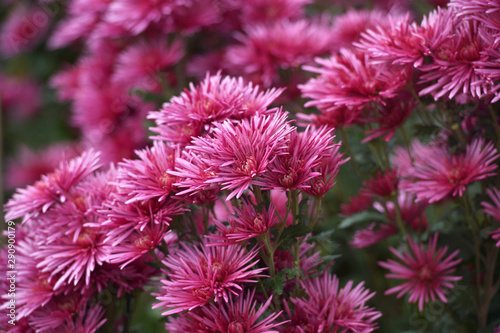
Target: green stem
(294, 203)
(347, 146)
(406, 141)
(270, 254)
(318, 203)
(494, 119)
(399, 219)
(490, 289)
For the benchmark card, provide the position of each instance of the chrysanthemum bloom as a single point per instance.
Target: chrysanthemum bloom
(384, 184)
(263, 11)
(403, 42)
(485, 11)
(494, 211)
(340, 116)
(282, 44)
(51, 188)
(294, 169)
(350, 79)
(369, 236)
(436, 174)
(138, 65)
(454, 64)
(337, 309)
(426, 270)
(215, 99)
(389, 118)
(240, 153)
(23, 29)
(328, 169)
(358, 203)
(21, 96)
(197, 275)
(247, 222)
(349, 27)
(241, 315)
(147, 178)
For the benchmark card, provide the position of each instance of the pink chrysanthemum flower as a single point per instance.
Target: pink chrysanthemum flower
(454, 64)
(337, 309)
(426, 270)
(350, 79)
(328, 168)
(241, 315)
(215, 99)
(240, 153)
(435, 174)
(52, 188)
(263, 11)
(199, 274)
(138, 65)
(21, 96)
(356, 204)
(494, 211)
(305, 151)
(349, 27)
(147, 178)
(246, 223)
(23, 29)
(384, 184)
(485, 11)
(339, 116)
(282, 44)
(369, 236)
(389, 118)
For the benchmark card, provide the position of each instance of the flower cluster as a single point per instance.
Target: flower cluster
(242, 165)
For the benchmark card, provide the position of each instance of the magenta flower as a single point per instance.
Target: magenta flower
(240, 153)
(454, 65)
(138, 65)
(216, 98)
(52, 188)
(246, 223)
(241, 315)
(384, 184)
(426, 270)
(328, 168)
(369, 236)
(335, 309)
(305, 151)
(147, 178)
(197, 275)
(264, 11)
(281, 44)
(350, 79)
(358, 203)
(436, 174)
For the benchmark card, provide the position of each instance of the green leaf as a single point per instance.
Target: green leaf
(290, 235)
(361, 217)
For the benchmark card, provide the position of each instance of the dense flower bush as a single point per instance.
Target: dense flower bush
(251, 166)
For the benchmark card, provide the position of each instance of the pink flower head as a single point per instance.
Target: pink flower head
(215, 99)
(369, 236)
(385, 184)
(282, 44)
(328, 168)
(193, 173)
(240, 153)
(199, 274)
(247, 222)
(350, 79)
(454, 64)
(21, 97)
(51, 188)
(305, 150)
(348, 27)
(335, 309)
(147, 178)
(334, 118)
(412, 212)
(389, 118)
(436, 174)
(241, 315)
(356, 204)
(138, 65)
(484, 11)
(23, 29)
(426, 270)
(262, 11)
